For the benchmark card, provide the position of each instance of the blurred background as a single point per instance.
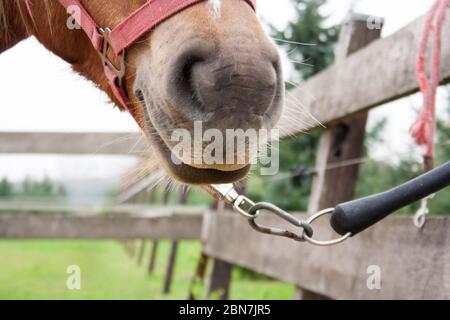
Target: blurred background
(43, 95)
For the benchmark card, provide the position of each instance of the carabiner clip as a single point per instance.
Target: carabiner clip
(307, 229)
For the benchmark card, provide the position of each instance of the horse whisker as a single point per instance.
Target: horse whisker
(294, 42)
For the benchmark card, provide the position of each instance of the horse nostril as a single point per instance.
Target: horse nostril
(229, 86)
(221, 85)
(180, 81)
(186, 78)
(276, 65)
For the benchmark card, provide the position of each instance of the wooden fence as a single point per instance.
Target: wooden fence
(100, 143)
(412, 263)
(119, 227)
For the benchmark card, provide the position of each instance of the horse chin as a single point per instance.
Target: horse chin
(200, 175)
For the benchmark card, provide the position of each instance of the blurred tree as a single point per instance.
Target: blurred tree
(309, 44)
(6, 188)
(26, 186)
(61, 191)
(41, 188)
(45, 187)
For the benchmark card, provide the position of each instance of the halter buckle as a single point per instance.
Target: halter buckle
(118, 71)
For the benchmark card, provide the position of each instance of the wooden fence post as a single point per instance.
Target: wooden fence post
(154, 248)
(182, 199)
(153, 254)
(141, 251)
(170, 267)
(345, 140)
(132, 248)
(220, 274)
(219, 279)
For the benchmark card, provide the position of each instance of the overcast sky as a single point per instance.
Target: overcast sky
(39, 92)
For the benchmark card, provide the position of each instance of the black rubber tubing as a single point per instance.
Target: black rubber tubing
(357, 215)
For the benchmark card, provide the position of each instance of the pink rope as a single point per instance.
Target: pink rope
(424, 129)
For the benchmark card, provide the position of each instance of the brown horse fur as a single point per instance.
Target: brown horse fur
(232, 43)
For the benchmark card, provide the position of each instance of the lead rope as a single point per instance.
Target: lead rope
(423, 130)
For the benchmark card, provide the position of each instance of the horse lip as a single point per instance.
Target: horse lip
(195, 176)
(201, 166)
(186, 173)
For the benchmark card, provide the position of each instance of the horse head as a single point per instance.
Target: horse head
(211, 63)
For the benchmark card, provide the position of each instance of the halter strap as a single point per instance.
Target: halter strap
(152, 13)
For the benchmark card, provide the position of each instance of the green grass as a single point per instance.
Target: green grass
(37, 270)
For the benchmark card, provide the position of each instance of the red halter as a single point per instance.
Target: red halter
(125, 34)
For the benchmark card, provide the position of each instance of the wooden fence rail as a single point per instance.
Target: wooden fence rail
(120, 227)
(412, 263)
(100, 143)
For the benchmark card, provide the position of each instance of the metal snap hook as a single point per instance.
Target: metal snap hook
(238, 207)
